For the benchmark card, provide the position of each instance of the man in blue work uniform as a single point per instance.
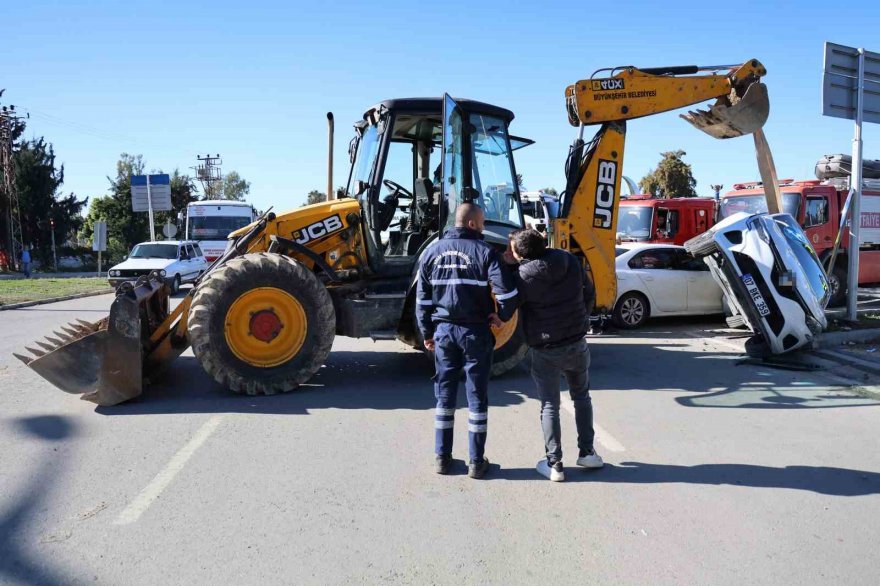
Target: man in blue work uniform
(457, 276)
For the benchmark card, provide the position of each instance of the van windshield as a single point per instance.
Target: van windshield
(215, 227)
(757, 204)
(635, 222)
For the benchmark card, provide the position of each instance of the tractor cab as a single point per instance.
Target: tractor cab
(413, 161)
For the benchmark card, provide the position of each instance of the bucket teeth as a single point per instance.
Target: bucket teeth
(65, 338)
(45, 346)
(24, 359)
(35, 352)
(86, 324)
(58, 343)
(72, 331)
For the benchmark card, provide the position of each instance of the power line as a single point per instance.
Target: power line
(11, 124)
(209, 175)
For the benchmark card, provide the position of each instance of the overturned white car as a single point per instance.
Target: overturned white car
(771, 277)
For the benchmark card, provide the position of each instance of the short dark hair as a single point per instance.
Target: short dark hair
(529, 244)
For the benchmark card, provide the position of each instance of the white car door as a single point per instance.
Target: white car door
(666, 286)
(704, 294)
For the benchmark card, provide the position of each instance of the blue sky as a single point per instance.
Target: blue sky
(254, 80)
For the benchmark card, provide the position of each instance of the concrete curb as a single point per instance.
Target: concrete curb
(853, 361)
(54, 300)
(834, 339)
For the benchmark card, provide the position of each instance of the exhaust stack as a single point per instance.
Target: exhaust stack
(330, 194)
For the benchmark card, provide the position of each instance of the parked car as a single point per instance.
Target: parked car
(771, 277)
(655, 280)
(178, 261)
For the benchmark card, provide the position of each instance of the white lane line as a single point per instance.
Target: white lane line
(602, 436)
(142, 501)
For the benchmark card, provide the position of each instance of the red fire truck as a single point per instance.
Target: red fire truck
(816, 205)
(664, 221)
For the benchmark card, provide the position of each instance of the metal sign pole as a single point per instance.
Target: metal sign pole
(856, 185)
(150, 210)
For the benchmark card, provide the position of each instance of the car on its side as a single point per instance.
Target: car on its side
(771, 278)
(178, 261)
(656, 280)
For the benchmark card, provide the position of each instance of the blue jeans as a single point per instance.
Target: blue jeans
(460, 348)
(26, 269)
(548, 367)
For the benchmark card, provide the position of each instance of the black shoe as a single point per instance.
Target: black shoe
(442, 464)
(478, 469)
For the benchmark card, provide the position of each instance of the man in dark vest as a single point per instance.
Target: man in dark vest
(457, 277)
(556, 298)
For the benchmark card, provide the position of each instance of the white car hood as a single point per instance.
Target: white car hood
(145, 263)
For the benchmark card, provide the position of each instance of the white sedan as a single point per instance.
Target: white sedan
(656, 280)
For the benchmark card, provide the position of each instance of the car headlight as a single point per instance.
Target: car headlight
(162, 272)
(114, 273)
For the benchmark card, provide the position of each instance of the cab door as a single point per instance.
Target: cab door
(703, 293)
(454, 161)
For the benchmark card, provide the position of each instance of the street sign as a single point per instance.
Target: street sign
(851, 90)
(840, 83)
(99, 238)
(158, 192)
(169, 230)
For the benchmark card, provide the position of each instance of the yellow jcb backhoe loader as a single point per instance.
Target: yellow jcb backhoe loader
(263, 317)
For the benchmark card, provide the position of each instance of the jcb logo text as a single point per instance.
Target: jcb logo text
(603, 214)
(318, 229)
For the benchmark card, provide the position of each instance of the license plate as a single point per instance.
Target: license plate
(756, 296)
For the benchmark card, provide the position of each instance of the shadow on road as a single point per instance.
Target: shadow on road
(19, 563)
(818, 479)
(349, 380)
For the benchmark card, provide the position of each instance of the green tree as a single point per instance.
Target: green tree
(234, 187)
(38, 181)
(315, 196)
(125, 228)
(672, 177)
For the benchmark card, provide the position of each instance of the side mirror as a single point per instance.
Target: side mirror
(124, 257)
(360, 187)
(340, 193)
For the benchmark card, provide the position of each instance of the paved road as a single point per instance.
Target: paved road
(717, 473)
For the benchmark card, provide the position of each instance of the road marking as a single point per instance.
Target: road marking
(142, 501)
(602, 436)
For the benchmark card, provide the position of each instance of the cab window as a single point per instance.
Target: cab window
(817, 211)
(655, 258)
(197, 250)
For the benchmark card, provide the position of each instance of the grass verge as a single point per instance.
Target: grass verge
(22, 290)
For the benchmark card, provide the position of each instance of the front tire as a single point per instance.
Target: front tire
(175, 285)
(261, 324)
(631, 311)
(701, 245)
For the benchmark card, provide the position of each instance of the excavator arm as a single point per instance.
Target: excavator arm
(587, 220)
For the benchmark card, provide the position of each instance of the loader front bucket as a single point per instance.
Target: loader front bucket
(103, 361)
(733, 116)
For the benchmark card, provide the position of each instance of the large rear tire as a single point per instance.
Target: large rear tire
(510, 348)
(261, 324)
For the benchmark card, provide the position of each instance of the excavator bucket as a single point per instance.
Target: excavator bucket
(733, 116)
(103, 361)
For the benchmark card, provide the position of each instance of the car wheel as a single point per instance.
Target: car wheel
(701, 245)
(837, 284)
(631, 311)
(757, 347)
(175, 285)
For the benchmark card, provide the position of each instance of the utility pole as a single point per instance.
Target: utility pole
(10, 122)
(209, 175)
(54, 256)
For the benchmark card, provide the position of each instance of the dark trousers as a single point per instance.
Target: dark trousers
(548, 367)
(462, 348)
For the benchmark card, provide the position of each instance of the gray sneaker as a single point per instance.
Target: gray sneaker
(478, 469)
(590, 459)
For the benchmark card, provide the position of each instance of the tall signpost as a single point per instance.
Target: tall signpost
(99, 240)
(151, 193)
(851, 90)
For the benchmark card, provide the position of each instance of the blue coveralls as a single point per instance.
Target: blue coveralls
(456, 278)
